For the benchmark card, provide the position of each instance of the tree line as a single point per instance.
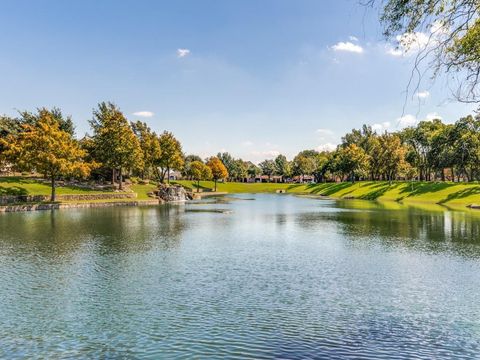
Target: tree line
(44, 141)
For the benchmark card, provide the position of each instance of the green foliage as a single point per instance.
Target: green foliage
(45, 148)
(454, 37)
(171, 157)
(149, 145)
(114, 142)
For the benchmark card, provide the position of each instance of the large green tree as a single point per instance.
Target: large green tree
(114, 142)
(171, 157)
(149, 145)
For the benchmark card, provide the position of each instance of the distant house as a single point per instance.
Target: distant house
(304, 179)
(175, 175)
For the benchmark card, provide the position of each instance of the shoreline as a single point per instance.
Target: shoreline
(58, 206)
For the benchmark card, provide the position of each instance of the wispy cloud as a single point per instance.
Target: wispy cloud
(347, 47)
(353, 38)
(269, 154)
(326, 147)
(247, 143)
(183, 52)
(422, 94)
(433, 116)
(407, 120)
(146, 114)
(325, 132)
(380, 128)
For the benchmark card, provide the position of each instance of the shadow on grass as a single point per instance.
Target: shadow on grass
(461, 194)
(13, 190)
(415, 189)
(378, 190)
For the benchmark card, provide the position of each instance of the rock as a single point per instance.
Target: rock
(172, 193)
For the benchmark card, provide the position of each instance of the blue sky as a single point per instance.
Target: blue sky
(251, 77)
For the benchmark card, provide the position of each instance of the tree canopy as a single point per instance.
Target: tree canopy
(45, 148)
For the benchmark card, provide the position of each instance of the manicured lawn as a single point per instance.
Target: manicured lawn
(27, 186)
(452, 194)
(143, 190)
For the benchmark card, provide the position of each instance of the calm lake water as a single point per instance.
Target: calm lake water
(248, 276)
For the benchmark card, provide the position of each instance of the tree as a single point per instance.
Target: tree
(303, 164)
(171, 157)
(65, 123)
(252, 170)
(115, 144)
(187, 161)
(268, 168)
(351, 161)
(451, 30)
(392, 155)
(219, 171)
(45, 148)
(282, 166)
(149, 145)
(199, 171)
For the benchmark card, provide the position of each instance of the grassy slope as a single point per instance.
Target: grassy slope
(27, 186)
(452, 194)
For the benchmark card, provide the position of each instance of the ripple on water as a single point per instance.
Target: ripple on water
(280, 277)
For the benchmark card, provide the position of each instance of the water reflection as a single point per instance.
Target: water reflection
(280, 276)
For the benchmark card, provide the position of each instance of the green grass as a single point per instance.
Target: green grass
(143, 190)
(453, 195)
(449, 194)
(28, 186)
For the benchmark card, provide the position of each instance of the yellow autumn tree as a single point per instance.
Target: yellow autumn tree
(219, 171)
(44, 148)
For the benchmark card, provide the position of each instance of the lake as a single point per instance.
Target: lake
(244, 276)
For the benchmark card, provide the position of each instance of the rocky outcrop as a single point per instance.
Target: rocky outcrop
(172, 193)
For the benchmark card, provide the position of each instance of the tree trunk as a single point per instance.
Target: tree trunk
(113, 176)
(168, 175)
(120, 177)
(198, 186)
(215, 185)
(53, 195)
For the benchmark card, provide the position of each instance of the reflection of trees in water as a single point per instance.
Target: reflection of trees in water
(410, 227)
(107, 230)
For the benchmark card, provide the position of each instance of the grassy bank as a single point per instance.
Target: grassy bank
(449, 194)
(27, 186)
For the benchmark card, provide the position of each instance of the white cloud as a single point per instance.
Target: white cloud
(326, 147)
(380, 128)
(247, 143)
(433, 116)
(146, 114)
(407, 120)
(269, 154)
(183, 52)
(422, 94)
(348, 47)
(325, 132)
(394, 51)
(353, 38)
(409, 44)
